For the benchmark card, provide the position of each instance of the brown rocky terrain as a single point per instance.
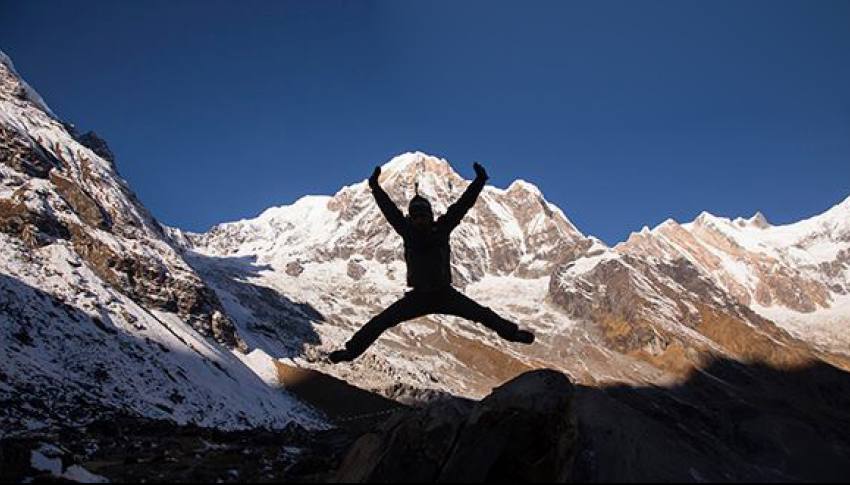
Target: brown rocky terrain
(670, 313)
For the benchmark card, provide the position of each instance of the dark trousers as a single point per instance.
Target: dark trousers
(416, 303)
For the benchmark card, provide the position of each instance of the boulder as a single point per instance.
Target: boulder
(294, 268)
(524, 430)
(355, 270)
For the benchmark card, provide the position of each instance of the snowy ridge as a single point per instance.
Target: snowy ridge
(795, 274)
(514, 220)
(64, 328)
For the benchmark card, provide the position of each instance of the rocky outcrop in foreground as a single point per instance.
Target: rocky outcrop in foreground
(730, 422)
(524, 431)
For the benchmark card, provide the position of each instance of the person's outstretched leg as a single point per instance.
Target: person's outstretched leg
(456, 303)
(410, 306)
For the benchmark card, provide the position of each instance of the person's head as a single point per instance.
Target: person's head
(419, 211)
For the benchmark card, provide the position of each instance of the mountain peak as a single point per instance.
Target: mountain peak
(520, 184)
(669, 222)
(415, 161)
(706, 217)
(29, 93)
(759, 220)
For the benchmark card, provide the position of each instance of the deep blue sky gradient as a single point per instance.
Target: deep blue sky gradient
(623, 113)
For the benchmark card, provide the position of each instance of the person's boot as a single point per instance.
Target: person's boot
(343, 355)
(521, 336)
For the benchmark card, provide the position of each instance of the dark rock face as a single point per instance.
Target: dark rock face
(355, 270)
(82, 203)
(92, 141)
(294, 268)
(34, 228)
(151, 283)
(96, 144)
(524, 431)
(23, 155)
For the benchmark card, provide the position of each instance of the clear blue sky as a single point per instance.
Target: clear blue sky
(623, 113)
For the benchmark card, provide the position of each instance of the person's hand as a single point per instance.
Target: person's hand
(374, 178)
(479, 170)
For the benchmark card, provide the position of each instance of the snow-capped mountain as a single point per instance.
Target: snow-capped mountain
(682, 292)
(624, 313)
(98, 310)
(514, 231)
(302, 278)
(797, 275)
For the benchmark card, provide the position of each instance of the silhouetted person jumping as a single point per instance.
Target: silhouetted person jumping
(427, 254)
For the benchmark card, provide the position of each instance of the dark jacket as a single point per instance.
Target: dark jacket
(428, 255)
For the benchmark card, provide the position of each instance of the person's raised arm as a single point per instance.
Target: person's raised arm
(456, 211)
(388, 208)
